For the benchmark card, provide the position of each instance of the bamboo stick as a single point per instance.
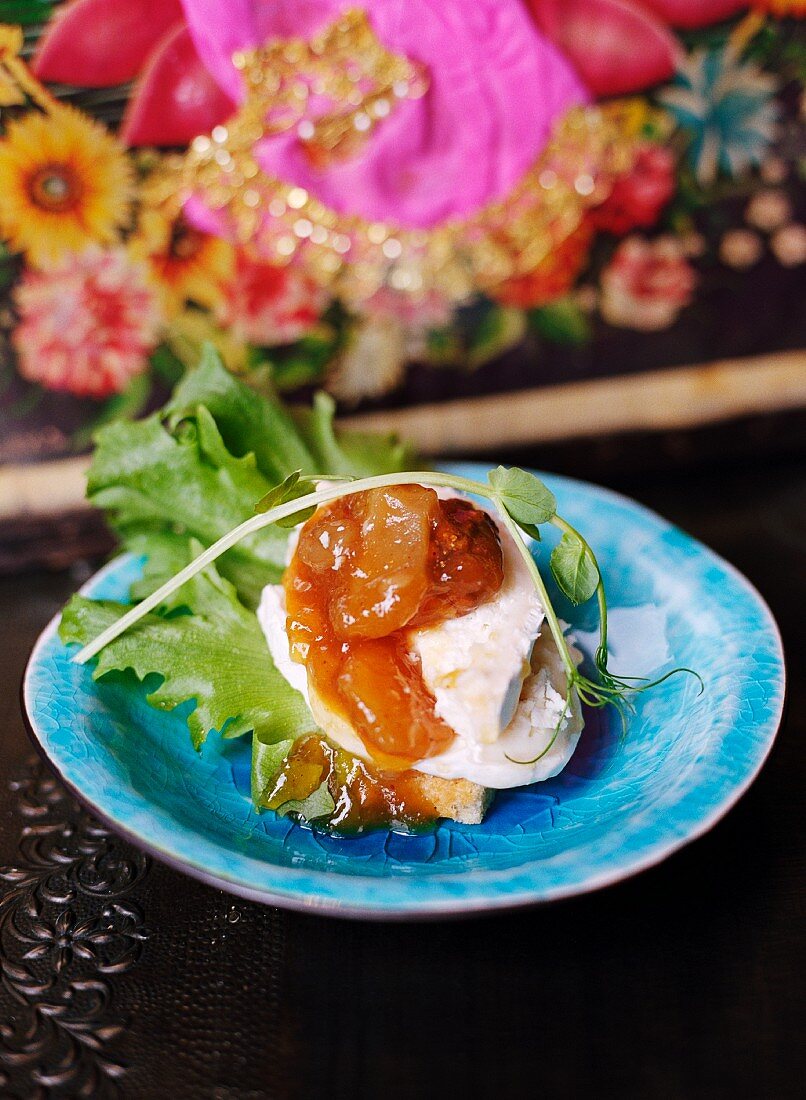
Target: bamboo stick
(682, 397)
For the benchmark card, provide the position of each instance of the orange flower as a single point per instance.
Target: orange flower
(553, 277)
(184, 264)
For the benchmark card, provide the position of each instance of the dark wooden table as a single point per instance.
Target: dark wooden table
(123, 977)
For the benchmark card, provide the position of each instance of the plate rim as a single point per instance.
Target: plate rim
(435, 909)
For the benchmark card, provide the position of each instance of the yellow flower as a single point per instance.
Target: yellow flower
(64, 182)
(184, 263)
(637, 118)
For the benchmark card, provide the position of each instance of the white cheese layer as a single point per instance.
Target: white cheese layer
(475, 665)
(501, 693)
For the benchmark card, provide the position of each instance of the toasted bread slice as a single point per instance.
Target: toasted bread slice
(457, 799)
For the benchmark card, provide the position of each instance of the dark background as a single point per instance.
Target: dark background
(686, 981)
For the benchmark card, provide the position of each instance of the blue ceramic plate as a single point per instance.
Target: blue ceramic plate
(619, 806)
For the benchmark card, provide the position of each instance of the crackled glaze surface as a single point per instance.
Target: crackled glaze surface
(619, 806)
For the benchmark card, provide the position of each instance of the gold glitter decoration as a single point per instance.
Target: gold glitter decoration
(282, 223)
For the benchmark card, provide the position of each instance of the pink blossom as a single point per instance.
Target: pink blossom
(98, 44)
(267, 304)
(638, 197)
(496, 86)
(646, 284)
(87, 325)
(621, 46)
(413, 311)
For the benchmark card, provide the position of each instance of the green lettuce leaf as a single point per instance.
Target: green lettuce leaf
(282, 441)
(207, 647)
(267, 758)
(154, 482)
(248, 422)
(319, 803)
(197, 468)
(173, 484)
(348, 453)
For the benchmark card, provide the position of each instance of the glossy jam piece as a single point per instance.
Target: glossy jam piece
(389, 702)
(466, 566)
(368, 568)
(374, 549)
(364, 797)
(305, 768)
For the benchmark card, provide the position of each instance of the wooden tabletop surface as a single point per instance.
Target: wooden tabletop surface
(121, 977)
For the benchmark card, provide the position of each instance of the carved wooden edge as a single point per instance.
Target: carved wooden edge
(675, 398)
(68, 925)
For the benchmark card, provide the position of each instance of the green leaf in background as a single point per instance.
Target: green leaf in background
(348, 453)
(524, 496)
(498, 329)
(9, 267)
(305, 362)
(574, 568)
(216, 656)
(166, 365)
(562, 322)
(443, 346)
(148, 480)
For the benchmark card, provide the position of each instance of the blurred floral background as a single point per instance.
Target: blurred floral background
(140, 216)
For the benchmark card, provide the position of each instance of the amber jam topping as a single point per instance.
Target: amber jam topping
(368, 568)
(363, 797)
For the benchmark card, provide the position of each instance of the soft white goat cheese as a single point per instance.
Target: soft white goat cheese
(474, 665)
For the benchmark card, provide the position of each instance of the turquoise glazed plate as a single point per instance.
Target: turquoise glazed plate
(620, 805)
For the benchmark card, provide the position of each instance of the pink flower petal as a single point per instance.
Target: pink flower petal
(176, 98)
(95, 44)
(87, 326)
(616, 46)
(496, 87)
(220, 27)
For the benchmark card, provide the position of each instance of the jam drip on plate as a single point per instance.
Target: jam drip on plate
(369, 568)
(363, 796)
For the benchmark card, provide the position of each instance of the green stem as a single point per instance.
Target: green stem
(540, 585)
